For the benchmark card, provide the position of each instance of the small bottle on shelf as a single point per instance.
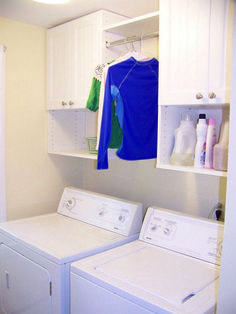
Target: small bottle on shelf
(200, 149)
(210, 143)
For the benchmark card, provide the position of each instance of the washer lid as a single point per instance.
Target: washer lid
(166, 275)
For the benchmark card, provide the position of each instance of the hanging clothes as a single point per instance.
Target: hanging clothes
(134, 84)
(94, 101)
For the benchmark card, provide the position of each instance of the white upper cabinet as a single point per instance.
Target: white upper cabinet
(192, 52)
(74, 49)
(71, 61)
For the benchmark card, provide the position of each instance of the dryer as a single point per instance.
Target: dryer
(172, 268)
(36, 252)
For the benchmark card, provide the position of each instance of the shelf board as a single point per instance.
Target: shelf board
(204, 171)
(138, 26)
(77, 153)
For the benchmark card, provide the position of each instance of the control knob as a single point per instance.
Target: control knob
(70, 203)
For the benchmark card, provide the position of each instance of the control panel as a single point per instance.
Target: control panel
(193, 236)
(114, 214)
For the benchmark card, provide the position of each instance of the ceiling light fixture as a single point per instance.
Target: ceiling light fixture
(52, 1)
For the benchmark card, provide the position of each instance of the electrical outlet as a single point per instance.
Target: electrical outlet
(218, 211)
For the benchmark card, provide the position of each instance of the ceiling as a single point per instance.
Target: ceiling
(47, 16)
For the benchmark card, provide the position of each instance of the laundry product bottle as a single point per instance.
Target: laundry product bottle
(200, 150)
(185, 141)
(220, 151)
(210, 143)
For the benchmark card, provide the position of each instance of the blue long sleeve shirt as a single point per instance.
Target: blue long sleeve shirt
(134, 85)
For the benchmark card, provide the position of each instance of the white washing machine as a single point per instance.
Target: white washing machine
(172, 268)
(35, 253)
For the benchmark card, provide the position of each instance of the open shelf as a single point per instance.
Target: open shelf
(145, 24)
(76, 153)
(169, 120)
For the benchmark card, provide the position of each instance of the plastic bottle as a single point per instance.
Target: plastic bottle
(200, 150)
(220, 152)
(210, 143)
(185, 141)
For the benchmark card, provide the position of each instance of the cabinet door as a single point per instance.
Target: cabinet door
(24, 285)
(58, 49)
(183, 51)
(86, 55)
(74, 49)
(219, 51)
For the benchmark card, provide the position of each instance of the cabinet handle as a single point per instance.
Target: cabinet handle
(212, 95)
(63, 103)
(71, 103)
(199, 96)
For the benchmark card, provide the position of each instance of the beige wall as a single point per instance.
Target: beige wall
(34, 180)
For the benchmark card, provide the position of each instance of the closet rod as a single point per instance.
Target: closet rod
(130, 39)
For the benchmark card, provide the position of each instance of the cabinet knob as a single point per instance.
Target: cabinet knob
(199, 96)
(212, 95)
(71, 103)
(63, 103)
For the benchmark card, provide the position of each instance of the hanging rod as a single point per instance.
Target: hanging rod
(131, 39)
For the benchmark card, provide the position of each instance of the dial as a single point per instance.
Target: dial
(70, 203)
(121, 218)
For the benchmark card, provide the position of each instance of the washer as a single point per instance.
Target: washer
(35, 253)
(172, 268)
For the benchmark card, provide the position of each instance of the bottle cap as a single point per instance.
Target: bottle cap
(212, 121)
(202, 116)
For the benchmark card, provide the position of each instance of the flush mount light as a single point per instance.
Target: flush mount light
(52, 1)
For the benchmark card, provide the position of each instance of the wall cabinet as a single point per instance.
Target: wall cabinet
(193, 47)
(74, 49)
(194, 77)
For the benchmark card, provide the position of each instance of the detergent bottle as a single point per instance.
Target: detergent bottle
(185, 141)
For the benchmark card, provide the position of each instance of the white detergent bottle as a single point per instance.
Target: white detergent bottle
(185, 141)
(210, 143)
(220, 152)
(200, 150)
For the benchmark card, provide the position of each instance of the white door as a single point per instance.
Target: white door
(58, 56)
(183, 51)
(25, 287)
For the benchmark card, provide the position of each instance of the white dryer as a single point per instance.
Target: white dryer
(35, 253)
(172, 268)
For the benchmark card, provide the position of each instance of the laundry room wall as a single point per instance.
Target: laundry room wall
(140, 181)
(35, 180)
